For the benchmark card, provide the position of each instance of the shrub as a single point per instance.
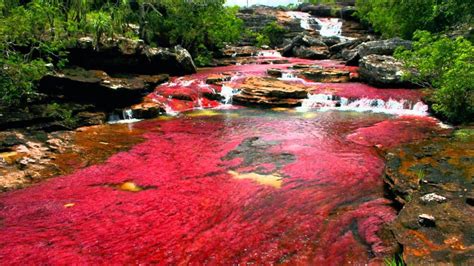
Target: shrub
(403, 17)
(446, 65)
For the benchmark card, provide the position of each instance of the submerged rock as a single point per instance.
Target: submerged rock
(270, 92)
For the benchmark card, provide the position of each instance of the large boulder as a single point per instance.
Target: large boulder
(312, 52)
(305, 46)
(98, 88)
(270, 92)
(381, 70)
(124, 55)
(381, 47)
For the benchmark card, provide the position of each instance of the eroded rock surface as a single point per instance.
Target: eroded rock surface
(433, 179)
(270, 92)
(382, 71)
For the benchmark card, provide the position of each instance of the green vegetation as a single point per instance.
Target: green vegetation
(438, 61)
(61, 113)
(394, 261)
(403, 17)
(272, 34)
(448, 66)
(37, 33)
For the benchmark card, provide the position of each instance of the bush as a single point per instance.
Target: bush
(447, 65)
(403, 17)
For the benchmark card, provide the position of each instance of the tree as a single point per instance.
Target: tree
(446, 65)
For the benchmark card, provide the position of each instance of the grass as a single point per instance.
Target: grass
(394, 261)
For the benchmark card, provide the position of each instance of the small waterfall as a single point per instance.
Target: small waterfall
(268, 53)
(325, 102)
(330, 27)
(307, 22)
(228, 93)
(127, 114)
(288, 76)
(127, 117)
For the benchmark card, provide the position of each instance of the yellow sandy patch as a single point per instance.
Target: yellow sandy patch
(69, 205)
(309, 115)
(10, 157)
(166, 117)
(273, 180)
(206, 112)
(130, 186)
(284, 109)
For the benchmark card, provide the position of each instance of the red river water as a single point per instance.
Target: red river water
(237, 186)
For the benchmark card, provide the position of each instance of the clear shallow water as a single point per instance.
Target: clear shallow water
(219, 187)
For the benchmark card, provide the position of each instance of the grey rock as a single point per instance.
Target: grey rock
(382, 71)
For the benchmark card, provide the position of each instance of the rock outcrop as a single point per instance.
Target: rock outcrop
(308, 47)
(270, 92)
(122, 55)
(98, 88)
(433, 180)
(382, 71)
(381, 47)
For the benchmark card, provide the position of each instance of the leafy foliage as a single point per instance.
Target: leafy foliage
(37, 32)
(403, 17)
(448, 66)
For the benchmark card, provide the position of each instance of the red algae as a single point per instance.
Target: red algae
(327, 209)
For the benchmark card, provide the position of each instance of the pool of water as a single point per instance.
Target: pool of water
(220, 187)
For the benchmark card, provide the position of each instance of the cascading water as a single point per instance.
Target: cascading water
(327, 27)
(127, 114)
(330, 27)
(227, 94)
(307, 21)
(324, 102)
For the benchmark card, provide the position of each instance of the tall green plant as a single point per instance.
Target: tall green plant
(446, 65)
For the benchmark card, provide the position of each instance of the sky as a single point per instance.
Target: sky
(260, 2)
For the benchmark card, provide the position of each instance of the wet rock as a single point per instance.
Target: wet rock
(98, 88)
(326, 75)
(380, 70)
(423, 176)
(270, 92)
(147, 110)
(218, 78)
(123, 55)
(275, 72)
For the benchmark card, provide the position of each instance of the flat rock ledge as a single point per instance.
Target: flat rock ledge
(270, 92)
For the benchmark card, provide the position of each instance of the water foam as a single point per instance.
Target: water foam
(325, 102)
